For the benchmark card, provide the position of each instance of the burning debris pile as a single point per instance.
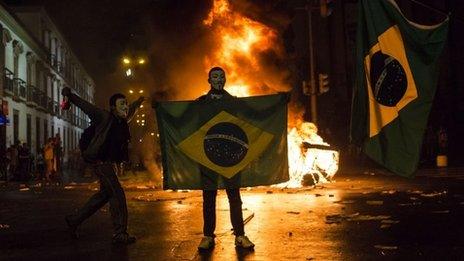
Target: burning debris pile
(311, 160)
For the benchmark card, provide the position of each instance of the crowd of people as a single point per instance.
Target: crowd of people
(20, 164)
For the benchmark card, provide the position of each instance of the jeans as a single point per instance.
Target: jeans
(209, 211)
(110, 191)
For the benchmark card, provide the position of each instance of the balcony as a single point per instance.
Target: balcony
(19, 89)
(41, 99)
(53, 61)
(60, 67)
(8, 82)
(50, 105)
(31, 96)
(56, 108)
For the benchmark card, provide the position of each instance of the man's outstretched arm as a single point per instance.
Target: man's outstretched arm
(91, 110)
(133, 107)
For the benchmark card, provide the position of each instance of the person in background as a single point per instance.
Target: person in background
(24, 155)
(4, 164)
(40, 165)
(14, 160)
(58, 156)
(49, 159)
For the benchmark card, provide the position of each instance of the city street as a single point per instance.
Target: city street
(360, 216)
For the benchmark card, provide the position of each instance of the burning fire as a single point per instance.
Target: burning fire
(240, 42)
(309, 165)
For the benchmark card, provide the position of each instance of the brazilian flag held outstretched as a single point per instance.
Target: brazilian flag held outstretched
(226, 138)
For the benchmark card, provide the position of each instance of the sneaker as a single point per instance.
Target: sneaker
(206, 243)
(72, 229)
(123, 239)
(243, 242)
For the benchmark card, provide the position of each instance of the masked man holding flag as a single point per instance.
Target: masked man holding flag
(217, 80)
(105, 144)
(223, 142)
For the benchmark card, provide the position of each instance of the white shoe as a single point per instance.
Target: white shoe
(206, 243)
(244, 242)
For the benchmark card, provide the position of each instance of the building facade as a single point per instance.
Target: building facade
(36, 64)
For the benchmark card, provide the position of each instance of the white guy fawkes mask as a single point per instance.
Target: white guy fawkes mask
(121, 108)
(217, 79)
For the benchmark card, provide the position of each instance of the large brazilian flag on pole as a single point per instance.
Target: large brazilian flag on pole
(396, 81)
(238, 139)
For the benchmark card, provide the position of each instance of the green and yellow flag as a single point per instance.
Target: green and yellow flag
(245, 137)
(396, 81)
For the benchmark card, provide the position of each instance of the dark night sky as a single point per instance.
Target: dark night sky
(101, 32)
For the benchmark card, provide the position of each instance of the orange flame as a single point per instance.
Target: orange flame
(240, 41)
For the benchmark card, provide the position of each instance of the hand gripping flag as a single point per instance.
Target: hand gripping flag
(244, 137)
(396, 81)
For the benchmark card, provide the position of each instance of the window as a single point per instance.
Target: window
(45, 128)
(65, 143)
(30, 68)
(15, 65)
(17, 50)
(15, 126)
(69, 139)
(29, 130)
(58, 93)
(38, 143)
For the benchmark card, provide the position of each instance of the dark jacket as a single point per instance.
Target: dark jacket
(102, 120)
(209, 178)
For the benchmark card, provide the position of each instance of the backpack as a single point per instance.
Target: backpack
(87, 137)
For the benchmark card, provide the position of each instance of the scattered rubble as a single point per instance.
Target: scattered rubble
(433, 194)
(338, 218)
(374, 202)
(150, 198)
(386, 247)
(389, 192)
(440, 211)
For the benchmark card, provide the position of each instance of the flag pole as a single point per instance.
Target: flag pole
(429, 7)
(313, 89)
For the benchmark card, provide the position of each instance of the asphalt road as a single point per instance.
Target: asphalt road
(360, 216)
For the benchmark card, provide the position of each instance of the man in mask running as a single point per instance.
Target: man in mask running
(105, 147)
